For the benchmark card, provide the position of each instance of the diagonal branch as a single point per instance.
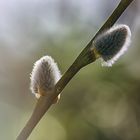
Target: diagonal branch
(86, 57)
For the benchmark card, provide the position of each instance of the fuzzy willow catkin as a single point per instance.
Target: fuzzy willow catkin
(44, 76)
(112, 43)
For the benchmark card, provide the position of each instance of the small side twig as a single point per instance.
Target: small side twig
(82, 60)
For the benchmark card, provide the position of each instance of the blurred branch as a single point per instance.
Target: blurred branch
(85, 57)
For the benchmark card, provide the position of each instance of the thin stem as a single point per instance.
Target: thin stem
(38, 112)
(112, 19)
(45, 102)
(114, 16)
(82, 60)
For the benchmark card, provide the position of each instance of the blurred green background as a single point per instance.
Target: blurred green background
(99, 103)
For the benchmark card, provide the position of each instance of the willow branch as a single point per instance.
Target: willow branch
(82, 60)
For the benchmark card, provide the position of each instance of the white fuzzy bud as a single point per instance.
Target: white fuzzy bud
(44, 76)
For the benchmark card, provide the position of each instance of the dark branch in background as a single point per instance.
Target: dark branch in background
(86, 57)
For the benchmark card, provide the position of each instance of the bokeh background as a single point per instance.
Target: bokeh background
(99, 103)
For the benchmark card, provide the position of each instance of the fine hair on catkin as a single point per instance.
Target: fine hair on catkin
(112, 43)
(44, 76)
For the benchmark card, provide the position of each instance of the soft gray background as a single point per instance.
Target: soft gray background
(99, 103)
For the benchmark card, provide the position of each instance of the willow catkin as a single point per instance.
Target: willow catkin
(44, 76)
(112, 43)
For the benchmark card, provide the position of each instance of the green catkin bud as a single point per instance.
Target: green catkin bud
(44, 76)
(112, 43)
